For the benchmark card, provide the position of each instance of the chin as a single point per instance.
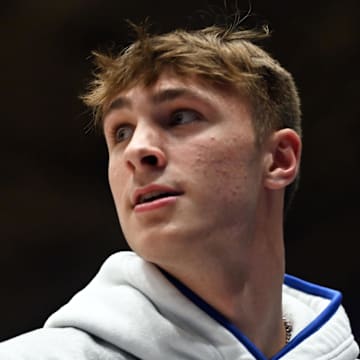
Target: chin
(158, 251)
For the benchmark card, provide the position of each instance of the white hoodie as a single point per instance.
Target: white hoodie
(131, 310)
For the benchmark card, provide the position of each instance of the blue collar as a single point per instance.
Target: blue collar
(334, 296)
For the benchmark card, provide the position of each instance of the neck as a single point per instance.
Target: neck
(244, 285)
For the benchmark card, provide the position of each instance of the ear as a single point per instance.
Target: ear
(282, 159)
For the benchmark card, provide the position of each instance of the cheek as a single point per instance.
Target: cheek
(223, 159)
(116, 181)
(223, 168)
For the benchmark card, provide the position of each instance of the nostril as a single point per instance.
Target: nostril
(150, 160)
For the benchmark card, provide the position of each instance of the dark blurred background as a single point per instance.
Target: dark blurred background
(58, 222)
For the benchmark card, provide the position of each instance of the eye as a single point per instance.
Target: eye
(123, 133)
(182, 117)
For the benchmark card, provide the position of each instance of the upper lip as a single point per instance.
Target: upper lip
(139, 193)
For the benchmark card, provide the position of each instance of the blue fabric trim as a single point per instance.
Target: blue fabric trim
(213, 313)
(334, 296)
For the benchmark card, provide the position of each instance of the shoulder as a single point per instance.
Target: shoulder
(59, 344)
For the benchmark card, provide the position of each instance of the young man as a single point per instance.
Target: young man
(204, 138)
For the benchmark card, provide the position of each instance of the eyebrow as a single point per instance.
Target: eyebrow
(119, 103)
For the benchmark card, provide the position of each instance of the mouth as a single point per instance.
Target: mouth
(154, 194)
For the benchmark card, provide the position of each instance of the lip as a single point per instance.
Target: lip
(155, 203)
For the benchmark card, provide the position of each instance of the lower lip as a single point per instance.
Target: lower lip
(156, 204)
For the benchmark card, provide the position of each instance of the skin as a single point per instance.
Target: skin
(222, 236)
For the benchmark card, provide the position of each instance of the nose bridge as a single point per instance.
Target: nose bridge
(144, 136)
(145, 147)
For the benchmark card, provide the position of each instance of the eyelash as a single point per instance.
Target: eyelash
(195, 116)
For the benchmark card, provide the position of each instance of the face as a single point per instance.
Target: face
(184, 168)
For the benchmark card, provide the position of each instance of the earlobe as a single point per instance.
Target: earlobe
(283, 159)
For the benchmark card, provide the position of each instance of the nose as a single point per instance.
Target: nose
(144, 151)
